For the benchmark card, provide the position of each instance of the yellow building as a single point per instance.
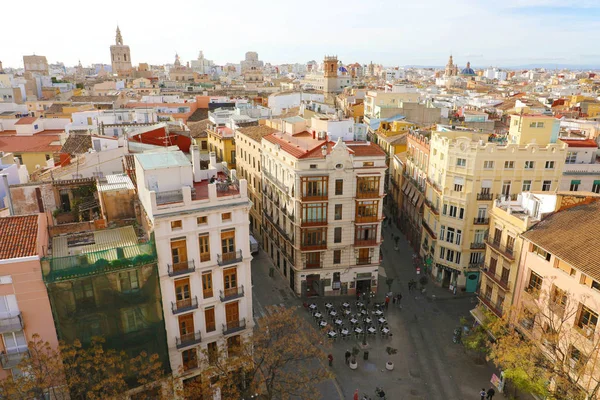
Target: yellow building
(467, 170)
(221, 140)
(391, 136)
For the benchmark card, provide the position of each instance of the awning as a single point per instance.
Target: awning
(405, 184)
(576, 182)
(420, 203)
(412, 191)
(486, 183)
(416, 197)
(447, 268)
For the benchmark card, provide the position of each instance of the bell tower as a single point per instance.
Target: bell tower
(120, 56)
(330, 66)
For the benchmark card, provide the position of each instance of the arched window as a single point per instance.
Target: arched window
(125, 57)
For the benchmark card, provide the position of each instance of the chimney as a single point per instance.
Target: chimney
(195, 162)
(8, 197)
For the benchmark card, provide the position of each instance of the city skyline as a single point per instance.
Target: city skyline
(513, 33)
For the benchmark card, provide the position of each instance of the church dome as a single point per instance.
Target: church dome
(468, 70)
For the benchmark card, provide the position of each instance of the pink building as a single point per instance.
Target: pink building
(24, 304)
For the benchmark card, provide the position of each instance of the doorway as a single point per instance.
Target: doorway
(472, 282)
(363, 286)
(446, 279)
(313, 284)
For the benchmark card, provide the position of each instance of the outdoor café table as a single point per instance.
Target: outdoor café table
(317, 315)
(339, 322)
(346, 305)
(333, 313)
(385, 330)
(344, 331)
(368, 320)
(347, 312)
(371, 330)
(323, 324)
(379, 313)
(363, 312)
(359, 304)
(328, 305)
(353, 321)
(382, 320)
(358, 331)
(331, 334)
(313, 306)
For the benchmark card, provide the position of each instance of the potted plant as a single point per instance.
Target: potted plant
(390, 365)
(353, 362)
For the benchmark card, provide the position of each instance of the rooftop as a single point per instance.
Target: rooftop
(77, 144)
(571, 236)
(115, 182)
(26, 121)
(580, 143)
(256, 132)
(30, 144)
(162, 160)
(198, 129)
(18, 236)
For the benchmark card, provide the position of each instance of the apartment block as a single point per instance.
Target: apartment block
(24, 304)
(199, 220)
(582, 166)
(322, 208)
(467, 170)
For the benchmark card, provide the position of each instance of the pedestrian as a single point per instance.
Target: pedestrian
(330, 359)
(356, 394)
(490, 393)
(394, 299)
(357, 295)
(387, 302)
(482, 394)
(399, 298)
(409, 286)
(347, 355)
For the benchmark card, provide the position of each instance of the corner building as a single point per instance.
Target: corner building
(322, 210)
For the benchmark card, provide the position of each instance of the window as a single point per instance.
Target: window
(536, 125)
(366, 211)
(526, 186)
(368, 164)
(509, 164)
(209, 319)
(234, 346)
(337, 256)
(338, 212)
(576, 359)
(528, 319)
(129, 281)
(368, 186)
(314, 187)
(442, 231)
(176, 225)
(226, 216)
(586, 320)
(488, 164)
(204, 245)
(549, 164)
(510, 244)
(442, 252)
(337, 235)
(189, 359)
(535, 284)
(450, 255)
(546, 186)
(461, 162)
(228, 243)
(540, 252)
(571, 157)
(529, 164)
(445, 209)
(596, 187)
(201, 220)
(574, 185)
(213, 352)
(458, 236)
(339, 187)
(506, 188)
(207, 286)
(14, 342)
(83, 290)
(558, 297)
(133, 320)
(314, 213)
(450, 235)
(458, 187)
(453, 211)
(461, 213)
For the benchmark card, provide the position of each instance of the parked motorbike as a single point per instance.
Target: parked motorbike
(457, 335)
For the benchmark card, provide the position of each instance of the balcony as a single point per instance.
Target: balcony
(313, 264)
(184, 305)
(506, 252)
(492, 307)
(498, 279)
(507, 197)
(429, 231)
(435, 186)
(188, 339)
(275, 181)
(314, 196)
(432, 207)
(313, 222)
(11, 323)
(477, 245)
(359, 219)
(481, 221)
(181, 268)
(314, 245)
(363, 260)
(232, 293)
(367, 194)
(231, 257)
(234, 326)
(485, 196)
(365, 242)
(13, 358)
(476, 265)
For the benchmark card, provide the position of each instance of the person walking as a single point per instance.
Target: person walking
(409, 286)
(387, 302)
(347, 355)
(330, 359)
(490, 393)
(356, 394)
(357, 295)
(399, 299)
(482, 394)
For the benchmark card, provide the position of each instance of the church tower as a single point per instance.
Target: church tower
(120, 56)
(330, 67)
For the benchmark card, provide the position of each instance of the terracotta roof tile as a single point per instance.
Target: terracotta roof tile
(365, 149)
(580, 143)
(571, 235)
(30, 144)
(77, 144)
(18, 236)
(26, 121)
(198, 128)
(257, 132)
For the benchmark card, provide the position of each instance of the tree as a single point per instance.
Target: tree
(75, 372)
(280, 360)
(549, 345)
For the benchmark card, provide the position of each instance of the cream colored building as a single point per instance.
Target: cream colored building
(376, 100)
(199, 219)
(322, 209)
(467, 170)
(120, 56)
(248, 150)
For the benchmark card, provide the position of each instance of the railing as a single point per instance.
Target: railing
(431, 207)
(477, 245)
(435, 186)
(365, 218)
(180, 306)
(181, 268)
(313, 264)
(313, 221)
(498, 279)
(170, 196)
(188, 339)
(492, 307)
(485, 196)
(507, 197)
(232, 293)
(276, 181)
(363, 260)
(322, 196)
(476, 265)
(12, 359)
(368, 194)
(229, 258)
(507, 252)
(429, 230)
(365, 242)
(481, 221)
(11, 324)
(99, 262)
(316, 245)
(282, 231)
(234, 326)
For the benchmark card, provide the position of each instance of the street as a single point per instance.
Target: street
(428, 365)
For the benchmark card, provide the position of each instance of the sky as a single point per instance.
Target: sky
(390, 32)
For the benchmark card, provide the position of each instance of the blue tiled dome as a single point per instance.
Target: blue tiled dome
(468, 70)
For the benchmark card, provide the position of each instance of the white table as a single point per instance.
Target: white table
(313, 306)
(345, 331)
(368, 320)
(345, 305)
(333, 313)
(323, 324)
(328, 306)
(382, 320)
(358, 330)
(385, 331)
(353, 321)
(317, 315)
(331, 334)
(379, 313)
(339, 322)
(347, 312)
(371, 330)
